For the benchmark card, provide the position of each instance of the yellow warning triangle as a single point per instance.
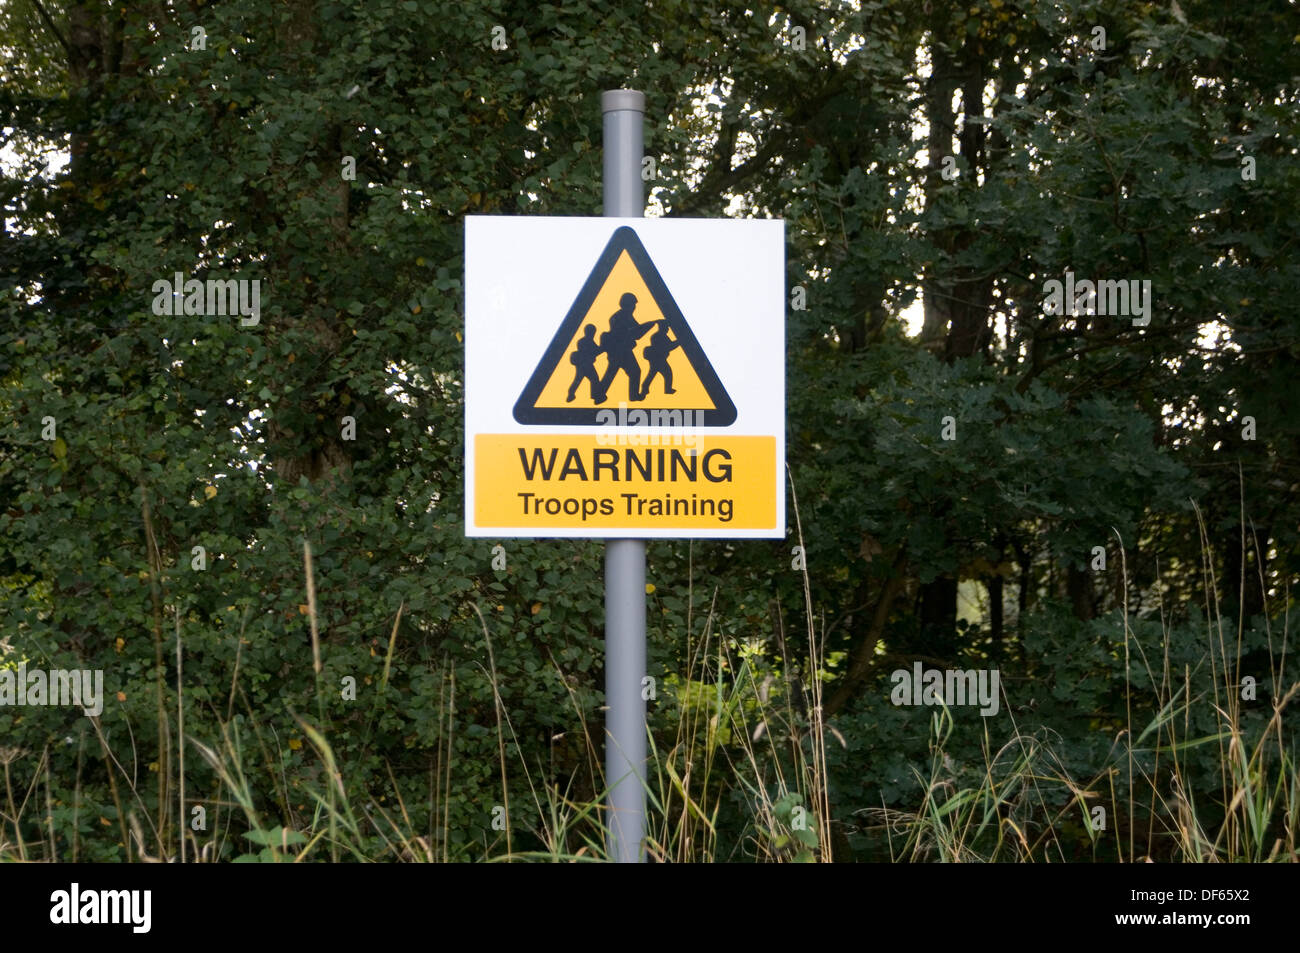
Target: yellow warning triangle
(624, 342)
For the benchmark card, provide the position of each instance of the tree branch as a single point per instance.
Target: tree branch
(53, 29)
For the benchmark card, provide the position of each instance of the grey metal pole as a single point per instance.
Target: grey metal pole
(625, 725)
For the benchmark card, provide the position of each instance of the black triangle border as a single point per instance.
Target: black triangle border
(623, 239)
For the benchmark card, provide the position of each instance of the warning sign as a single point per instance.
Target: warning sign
(624, 377)
(624, 341)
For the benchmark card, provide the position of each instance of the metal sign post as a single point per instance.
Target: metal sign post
(625, 725)
(689, 317)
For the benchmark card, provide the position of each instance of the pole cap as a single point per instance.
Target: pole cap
(613, 100)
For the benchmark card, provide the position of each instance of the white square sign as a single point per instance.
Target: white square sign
(624, 377)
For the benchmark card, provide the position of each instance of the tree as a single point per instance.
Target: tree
(955, 158)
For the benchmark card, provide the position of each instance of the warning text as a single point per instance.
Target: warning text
(550, 481)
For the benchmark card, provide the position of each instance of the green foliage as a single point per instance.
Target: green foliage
(476, 687)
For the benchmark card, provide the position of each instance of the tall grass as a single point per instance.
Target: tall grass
(1009, 815)
(746, 733)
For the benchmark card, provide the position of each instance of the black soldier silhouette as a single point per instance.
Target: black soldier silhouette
(583, 360)
(656, 355)
(619, 344)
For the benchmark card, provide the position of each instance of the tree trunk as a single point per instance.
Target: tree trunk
(938, 618)
(1078, 585)
(994, 584)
